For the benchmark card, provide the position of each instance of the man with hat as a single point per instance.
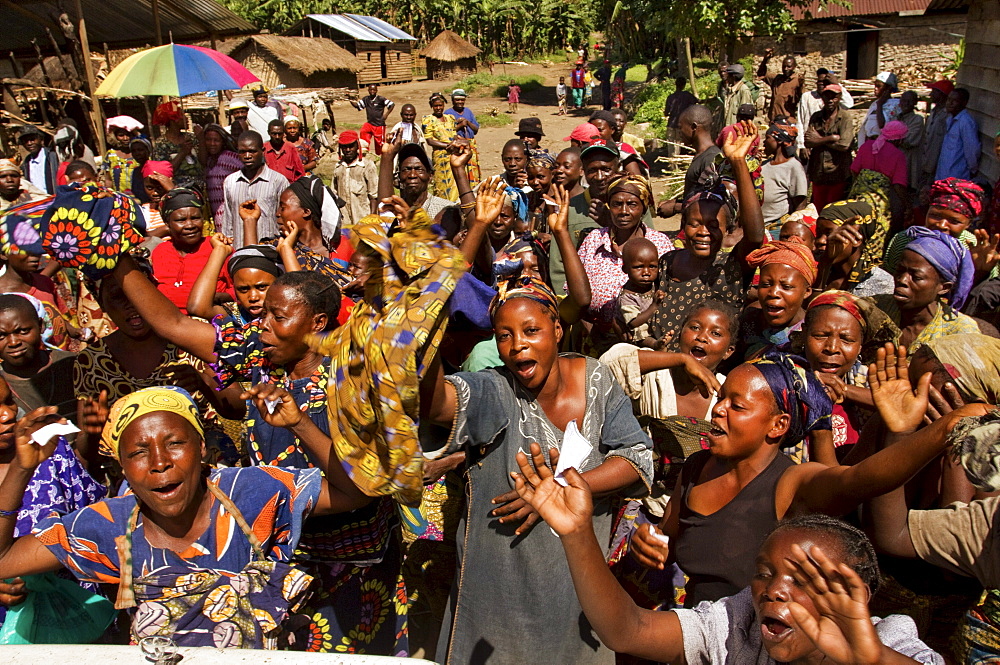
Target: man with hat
(467, 127)
(262, 111)
(583, 135)
(735, 93)
(377, 109)
(414, 175)
(935, 128)
(238, 110)
(883, 110)
(530, 131)
(355, 180)
(811, 102)
(41, 164)
(15, 190)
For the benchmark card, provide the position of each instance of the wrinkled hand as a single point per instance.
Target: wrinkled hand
(567, 510)
(250, 212)
(843, 240)
(435, 468)
(739, 142)
(702, 377)
(390, 148)
(666, 208)
(286, 412)
(514, 510)
(834, 385)
(646, 548)
(984, 253)
(28, 454)
(901, 406)
(558, 216)
(596, 210)
(12, 593)
(221, 241)
(92, 414)
(490, 199)
(843, 631)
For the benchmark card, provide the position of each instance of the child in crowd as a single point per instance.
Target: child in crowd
(639, 297)
(561, 95)
(795, 229)
(157, 179)
(513, 96)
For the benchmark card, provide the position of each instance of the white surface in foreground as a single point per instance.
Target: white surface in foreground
(95, 654)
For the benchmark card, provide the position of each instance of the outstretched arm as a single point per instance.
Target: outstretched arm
(620, 624)
(489, 204)
(201, 298)
(195, 337)
(577, 282)
(751, 219)
(385, 165)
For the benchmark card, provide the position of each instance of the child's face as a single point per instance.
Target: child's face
(781, 291)
(562, 80)
(705, 336)
(642, 268)
(360, 269)
(568, 169)
(798, 231)
(539, 178)
(514, 159)
(154, 190)
(408, 114)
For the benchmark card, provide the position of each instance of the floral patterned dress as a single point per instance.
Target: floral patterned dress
(441, 129)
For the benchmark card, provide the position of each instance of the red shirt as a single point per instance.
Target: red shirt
(285, 160)
(176, 274)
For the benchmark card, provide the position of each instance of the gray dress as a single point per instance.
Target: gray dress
(513, 600)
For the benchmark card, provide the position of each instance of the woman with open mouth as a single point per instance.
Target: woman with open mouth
(252, 270)
(738, 489)
(182, 538)
(787, 273)
(806, 603)
(700, 270)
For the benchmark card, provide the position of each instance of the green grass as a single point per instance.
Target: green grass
(496, 84)
(501, 120)
(636, 74)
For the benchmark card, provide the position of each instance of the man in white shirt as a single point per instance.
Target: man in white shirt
(355, 180)
(262, 111)
(811, 102)
(254, 181)
(40, 165)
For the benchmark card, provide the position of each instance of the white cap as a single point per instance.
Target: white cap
(238, 104)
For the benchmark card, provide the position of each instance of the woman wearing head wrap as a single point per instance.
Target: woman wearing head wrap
(220, 160)
(885, 105)
(178, 147)
(785, 184)
(629, 197)
(881, 176)
(840, 336)
(181, 257)
(787, 273)
(128, 541)
(701, 270)
(440, 133)
(933, 278)
(295, 135)
(157, 180)
(119, 166)
(849, 242)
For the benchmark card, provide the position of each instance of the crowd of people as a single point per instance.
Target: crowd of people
(422, 410)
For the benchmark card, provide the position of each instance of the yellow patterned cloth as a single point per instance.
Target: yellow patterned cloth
(381, 353)
(142, 402)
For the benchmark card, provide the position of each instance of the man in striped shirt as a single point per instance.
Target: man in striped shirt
(254, 181)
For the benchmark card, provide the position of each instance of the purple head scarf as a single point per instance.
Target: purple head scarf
(949, 256)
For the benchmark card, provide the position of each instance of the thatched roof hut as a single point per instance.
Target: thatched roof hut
(298, 62)
(449, 56)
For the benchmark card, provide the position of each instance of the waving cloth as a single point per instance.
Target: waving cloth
(872, 232)
(528, 287)
(975, 443)
(382, 352)
(876, 326)
(133, 406)
(317, 197)
(84, 226)
(893, 131)
(797, 392)
(973, 362)
(962, 196)
(633, 184)
(791, 253)
(949, 256)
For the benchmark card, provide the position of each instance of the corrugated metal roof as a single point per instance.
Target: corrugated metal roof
(859, 8)
(121, 23)
(350, 27)
(387, 29)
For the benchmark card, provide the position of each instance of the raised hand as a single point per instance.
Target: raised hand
(399, 208)
(834, 385)
(286, 411)
(28, 454)
(459, 159)
(901, 406)
(290, 235)
(985, 254)
(739, 142)
(250, 212)
(843, 631)
(559, 214)
(490, 199)
(843, 240)
(221, 241)
(92, 414)
(566, 509)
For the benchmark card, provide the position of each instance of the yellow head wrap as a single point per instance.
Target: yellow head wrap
(148, 400)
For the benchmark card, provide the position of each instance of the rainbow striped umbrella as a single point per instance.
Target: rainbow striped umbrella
(175, 70)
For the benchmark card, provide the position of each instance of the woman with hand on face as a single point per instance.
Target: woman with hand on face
(157, 178)
(252, 269)
(182, 532)
(848, 246)
(701, 270)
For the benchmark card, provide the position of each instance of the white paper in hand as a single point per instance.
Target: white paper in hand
(575, 449)
(272, 403)
(43, 435)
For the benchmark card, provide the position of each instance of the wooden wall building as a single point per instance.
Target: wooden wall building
(384, 52)
(980, 75)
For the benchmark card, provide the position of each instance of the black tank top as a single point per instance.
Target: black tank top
(717, 551)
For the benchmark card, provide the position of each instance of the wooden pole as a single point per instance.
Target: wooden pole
(219, 97)
(690, 64)
(155, 5)
(95, 107)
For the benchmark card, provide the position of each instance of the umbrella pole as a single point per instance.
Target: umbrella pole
(95, 106)
(221, 113)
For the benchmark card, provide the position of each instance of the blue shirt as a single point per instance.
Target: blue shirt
(465, 132)
(960, 148)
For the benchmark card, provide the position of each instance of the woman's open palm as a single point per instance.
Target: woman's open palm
(565, 509)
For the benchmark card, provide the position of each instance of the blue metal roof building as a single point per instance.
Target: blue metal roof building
(385, 51)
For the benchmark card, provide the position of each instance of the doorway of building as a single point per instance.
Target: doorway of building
(385, 64)
(862, 54)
